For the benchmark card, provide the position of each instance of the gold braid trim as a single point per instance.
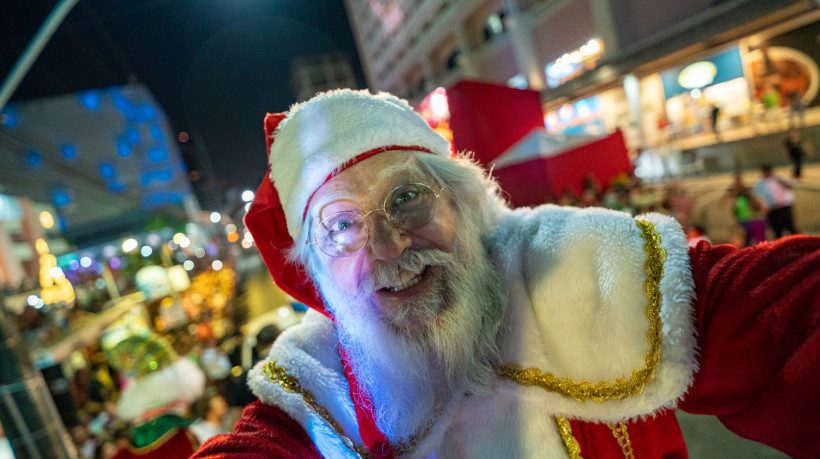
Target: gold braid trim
(621, 387)
(565, 429)
(622, 436)
(291, 385)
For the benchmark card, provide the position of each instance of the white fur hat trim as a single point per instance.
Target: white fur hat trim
(317, 137)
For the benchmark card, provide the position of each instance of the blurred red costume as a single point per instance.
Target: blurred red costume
(176, 443)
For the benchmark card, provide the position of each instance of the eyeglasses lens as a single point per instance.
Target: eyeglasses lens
(411, 206)
(408, 207)
(341, 234)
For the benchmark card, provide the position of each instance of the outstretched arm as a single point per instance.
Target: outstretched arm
(758, 323)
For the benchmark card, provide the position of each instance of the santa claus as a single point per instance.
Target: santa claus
(445, 324)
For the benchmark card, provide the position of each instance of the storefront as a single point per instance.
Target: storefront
(706, 95)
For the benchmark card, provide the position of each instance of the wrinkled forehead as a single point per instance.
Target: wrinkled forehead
(367, 183)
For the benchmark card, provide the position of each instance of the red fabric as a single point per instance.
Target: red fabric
(372, 437)
(263, 431)
(659, 437)
(758, 322)
(533, 182)
(176, 444)
(525, 184)
(487, 118)
(266, 222)
(604, 158)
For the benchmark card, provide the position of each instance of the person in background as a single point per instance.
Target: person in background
(797, 109)
(778, 196)
(797, 149)
(213, 423)
(747, 210)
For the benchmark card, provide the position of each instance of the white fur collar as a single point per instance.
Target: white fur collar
(308, 352)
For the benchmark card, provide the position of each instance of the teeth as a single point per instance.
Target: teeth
(408, 279)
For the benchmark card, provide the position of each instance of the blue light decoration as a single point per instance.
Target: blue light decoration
(61, 199)
(123, 148)
(62, 223)
(157, 154)
(161, 198)
(161, 176)
(90, 99)
(115, 186)
(156, 132)
(147, 112)
(124, 105)
(133, 135)
(107, 171)
(34, 159)
(73, 265)
(120, 101)
(8, 117)
(69, 151)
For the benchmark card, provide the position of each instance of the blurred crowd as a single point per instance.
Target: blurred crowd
(99, 431)
(761, 212)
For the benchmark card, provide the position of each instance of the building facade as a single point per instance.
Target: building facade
(599, 65)
(322, 72)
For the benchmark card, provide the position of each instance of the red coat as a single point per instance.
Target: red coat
(758, 334)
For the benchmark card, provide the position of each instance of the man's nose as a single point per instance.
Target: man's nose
(387, 242)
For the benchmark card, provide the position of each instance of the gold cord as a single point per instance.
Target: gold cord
(565, 429)
(277, 375)
(622, 436)
(290, 384)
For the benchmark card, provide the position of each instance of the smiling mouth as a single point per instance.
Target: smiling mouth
(408, 283)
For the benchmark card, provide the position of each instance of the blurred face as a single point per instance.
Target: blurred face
(381, 271)
(218, 406)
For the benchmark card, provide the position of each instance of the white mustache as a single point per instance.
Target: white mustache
(410, 264)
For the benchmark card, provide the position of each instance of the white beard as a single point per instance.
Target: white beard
(409, 371)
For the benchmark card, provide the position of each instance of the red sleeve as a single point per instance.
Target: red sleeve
(263, 431)
(758, 321)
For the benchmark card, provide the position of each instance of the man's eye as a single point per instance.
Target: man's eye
(341, 225)
(405, 197)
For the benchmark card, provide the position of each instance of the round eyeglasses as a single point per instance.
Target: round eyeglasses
(407, 207)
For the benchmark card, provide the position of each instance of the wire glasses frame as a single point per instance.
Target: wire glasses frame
(407, 207)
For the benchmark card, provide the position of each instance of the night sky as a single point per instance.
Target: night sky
(215, 66)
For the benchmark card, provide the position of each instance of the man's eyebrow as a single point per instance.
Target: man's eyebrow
(401, 175)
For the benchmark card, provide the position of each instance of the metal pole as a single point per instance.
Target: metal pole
(54, 19)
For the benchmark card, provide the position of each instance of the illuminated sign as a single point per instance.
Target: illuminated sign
(697, 75)
(574, 63)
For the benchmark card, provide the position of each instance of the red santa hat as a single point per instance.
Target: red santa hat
(316, 140)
